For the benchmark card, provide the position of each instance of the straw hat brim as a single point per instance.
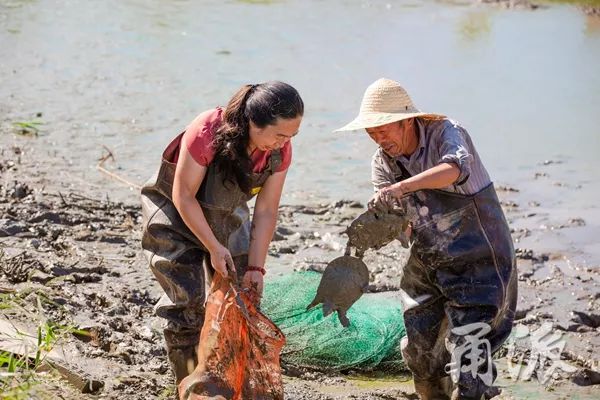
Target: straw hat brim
(371, 120)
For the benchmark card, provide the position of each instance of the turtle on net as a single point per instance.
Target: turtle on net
(343, 282)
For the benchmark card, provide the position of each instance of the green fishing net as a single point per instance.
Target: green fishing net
(372, 341)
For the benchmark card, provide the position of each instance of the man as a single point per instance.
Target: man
(459, 286)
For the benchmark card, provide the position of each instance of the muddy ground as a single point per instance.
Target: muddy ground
(72, 256)
(589, 8)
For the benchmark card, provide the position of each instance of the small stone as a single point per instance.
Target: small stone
(586, 377)
(145, 333)
(549, 162)
(20, 191)
(277, 237)
(125, 357)
(11, 228)
(40, 276)
(576, 222)
(158, 366)
(117, 337)
(129, 253)
(286, 250)
(588, 319)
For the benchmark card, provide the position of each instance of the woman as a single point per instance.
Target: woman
(196, 217)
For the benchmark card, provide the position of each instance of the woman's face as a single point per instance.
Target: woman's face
(273, 137)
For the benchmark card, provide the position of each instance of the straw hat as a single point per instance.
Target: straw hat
(385, 101)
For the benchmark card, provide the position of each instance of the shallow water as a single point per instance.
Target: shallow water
(130, 75)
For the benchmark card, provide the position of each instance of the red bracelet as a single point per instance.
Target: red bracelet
(255, 268)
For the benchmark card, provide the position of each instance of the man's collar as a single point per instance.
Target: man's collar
(420, 147)
(421, 135)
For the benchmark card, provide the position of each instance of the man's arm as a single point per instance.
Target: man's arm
(438, 177)
(453, 166)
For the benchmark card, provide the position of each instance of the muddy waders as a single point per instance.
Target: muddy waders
(180, 262)
(461, 271)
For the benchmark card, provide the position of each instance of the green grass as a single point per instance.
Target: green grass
(589, 3)
(27, 128)
(23, 390)
(20, 377)
(167, 393)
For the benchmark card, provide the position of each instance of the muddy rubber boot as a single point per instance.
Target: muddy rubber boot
(457, 394)
(183, 361)
(435, 389)
(469, 389)
(182, 351)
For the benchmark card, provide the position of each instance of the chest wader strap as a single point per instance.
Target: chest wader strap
(274, 163)
(405, 174)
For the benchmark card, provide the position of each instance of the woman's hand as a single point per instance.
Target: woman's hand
(221, 261)
(253, 281)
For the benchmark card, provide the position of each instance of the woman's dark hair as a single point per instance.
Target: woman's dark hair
(262, 104)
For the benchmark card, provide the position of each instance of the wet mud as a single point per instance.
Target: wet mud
(80, 252)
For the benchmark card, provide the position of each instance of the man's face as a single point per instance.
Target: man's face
(396, 138)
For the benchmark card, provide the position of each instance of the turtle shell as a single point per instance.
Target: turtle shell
(343, 282)
(374, 229)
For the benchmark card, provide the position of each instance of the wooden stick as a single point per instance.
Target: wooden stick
(100, 166)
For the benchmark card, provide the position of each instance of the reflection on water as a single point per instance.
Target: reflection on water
(475, 25)
(592, 25)
(131, 74)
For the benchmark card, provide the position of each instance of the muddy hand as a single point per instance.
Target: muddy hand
(388, 198)
(377, 202)
(384, 201)
(222, 262)
(253, 281)
(395, 191)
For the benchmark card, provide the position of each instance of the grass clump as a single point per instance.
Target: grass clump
(25, 374)
(27, 128)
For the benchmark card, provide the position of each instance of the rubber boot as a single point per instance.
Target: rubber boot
(434, 389)
(183, 361)
(469, 388)
(182, 351)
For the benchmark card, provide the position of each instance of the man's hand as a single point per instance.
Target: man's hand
(394, 192)
(386, 199)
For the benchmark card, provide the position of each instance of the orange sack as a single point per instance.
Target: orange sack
(238, 353)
